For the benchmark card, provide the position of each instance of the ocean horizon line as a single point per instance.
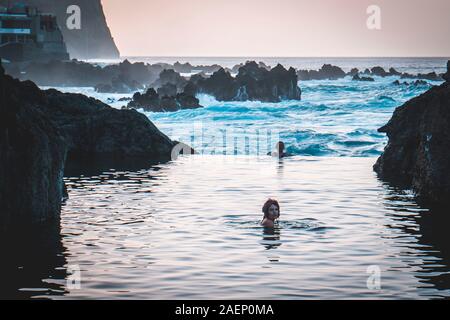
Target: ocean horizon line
(290, 57)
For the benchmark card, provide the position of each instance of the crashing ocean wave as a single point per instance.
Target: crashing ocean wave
(334, 118)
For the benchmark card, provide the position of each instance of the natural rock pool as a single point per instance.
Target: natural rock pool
(190, 229)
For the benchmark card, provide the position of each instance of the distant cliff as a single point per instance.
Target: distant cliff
(93, 40)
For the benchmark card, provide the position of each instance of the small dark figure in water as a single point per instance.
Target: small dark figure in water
(271, 210)
(279, 151)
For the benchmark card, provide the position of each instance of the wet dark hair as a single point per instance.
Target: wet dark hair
(280, 146)
(268, 204)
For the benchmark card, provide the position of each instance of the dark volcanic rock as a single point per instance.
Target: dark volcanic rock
(331, 72)
(394, 72)
(165, 100)
(169, 76)
(167, 90)
(220, 85)
(148, 100)
(119, 84)
(188, 101)
(81, 74)
(95, 131)
(415, 83)
(418, 153)
(432, 76)
(169, 104)
(42, 132)
(420, 83)
(359, 78)
(327, 72)
(188, 68)
(353, 72)
(32, 157)
(251, 83)
(446, 76)
(379, 71)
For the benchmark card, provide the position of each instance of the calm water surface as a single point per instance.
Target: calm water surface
(189, 229)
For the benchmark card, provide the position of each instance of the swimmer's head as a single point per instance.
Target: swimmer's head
(280, 147)
(271, 209)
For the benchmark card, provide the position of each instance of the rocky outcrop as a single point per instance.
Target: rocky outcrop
(165, 100)
(113, 78)
(93, 40)
(188, 68)
(252, 82)
(394, 72)
(353, 72)
(42, 132)
(95, 131)
(416, 83)
(379, 71)
(357, 77)
(121, 77)
(327, 72)
(170, 76)
(446, 76)
(32, 156)
(432, 76)
(235, 68)
(417, 155)
(330, 72)
(120, 84)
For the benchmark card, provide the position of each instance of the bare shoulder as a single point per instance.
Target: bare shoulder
(267, 223)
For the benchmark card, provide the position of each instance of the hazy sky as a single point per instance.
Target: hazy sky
(278, 27)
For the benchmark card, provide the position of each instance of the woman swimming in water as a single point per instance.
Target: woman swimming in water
(271, 211)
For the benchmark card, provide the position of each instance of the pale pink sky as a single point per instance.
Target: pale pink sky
(278, 27)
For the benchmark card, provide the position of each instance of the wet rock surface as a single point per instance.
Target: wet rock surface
(417, 155)
(42, 132)
(252, 82)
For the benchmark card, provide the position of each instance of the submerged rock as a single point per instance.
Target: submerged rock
(42, 132)
(417, 155)
(432, 76)
(414, 83)
(357, 77)
(420, 83)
